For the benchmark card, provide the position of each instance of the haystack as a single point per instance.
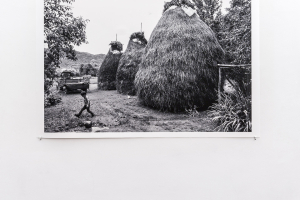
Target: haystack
(179, 67)
(108, 70)
(128, 65)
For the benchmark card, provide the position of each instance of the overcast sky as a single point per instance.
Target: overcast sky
(122, 17)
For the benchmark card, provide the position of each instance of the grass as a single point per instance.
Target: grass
(120, 114)
(232, 113)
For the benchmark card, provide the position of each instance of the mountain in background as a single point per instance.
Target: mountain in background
(83, 58)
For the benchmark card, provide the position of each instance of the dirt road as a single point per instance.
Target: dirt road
(120, 114)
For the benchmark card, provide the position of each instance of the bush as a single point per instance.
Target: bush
(232, 113)
(235, 36)
(51, 99)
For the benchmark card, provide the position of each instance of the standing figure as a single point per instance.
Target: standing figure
(87, 104)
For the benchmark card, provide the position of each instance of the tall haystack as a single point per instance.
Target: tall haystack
(128, 65)
(179, 66)
(108, 70)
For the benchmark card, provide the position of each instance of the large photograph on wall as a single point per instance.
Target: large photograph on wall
(148, 66)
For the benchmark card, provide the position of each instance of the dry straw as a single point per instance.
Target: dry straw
(128, 65)
(179, 67)
(107, 71)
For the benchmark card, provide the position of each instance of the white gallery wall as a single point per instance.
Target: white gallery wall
(148, 169)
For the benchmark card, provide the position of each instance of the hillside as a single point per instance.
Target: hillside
(83, 58)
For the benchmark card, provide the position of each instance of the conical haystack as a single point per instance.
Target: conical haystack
(179, 67)
(108, 70)
(128, 65)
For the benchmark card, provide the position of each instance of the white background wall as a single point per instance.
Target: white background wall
(172, 169)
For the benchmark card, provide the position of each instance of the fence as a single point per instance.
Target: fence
(237, 76)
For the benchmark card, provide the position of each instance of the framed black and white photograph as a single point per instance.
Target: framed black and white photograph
(149, 68)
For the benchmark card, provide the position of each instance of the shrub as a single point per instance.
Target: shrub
(232, 113)
(235, 36)
(51, 99)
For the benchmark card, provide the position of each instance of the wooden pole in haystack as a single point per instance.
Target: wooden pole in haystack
(116, 37)
(220, 85)
(141, 27)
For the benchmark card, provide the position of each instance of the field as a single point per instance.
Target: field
(119, 113)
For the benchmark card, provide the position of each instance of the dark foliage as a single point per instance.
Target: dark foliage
(236, 34)
(62, 31)
(209, 11)
(233, 113)
(87, 69)
(49, 71)
(51, 99)
(242, 79)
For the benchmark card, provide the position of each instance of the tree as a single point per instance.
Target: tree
(81, 68)
(236, 41)
(236, 35)
(209, 11)
(61, 32)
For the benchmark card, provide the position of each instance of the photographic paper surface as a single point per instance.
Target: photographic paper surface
(178, 68)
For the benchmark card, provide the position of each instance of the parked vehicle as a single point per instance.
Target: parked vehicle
(68, 82)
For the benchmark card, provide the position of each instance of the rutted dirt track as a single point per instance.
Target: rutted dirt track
(120, 114)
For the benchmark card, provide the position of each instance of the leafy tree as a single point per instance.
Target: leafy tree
(61, 32)
(81, 68)
(236, 41)
(235, 38)
(210, 12)
(236, 34)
